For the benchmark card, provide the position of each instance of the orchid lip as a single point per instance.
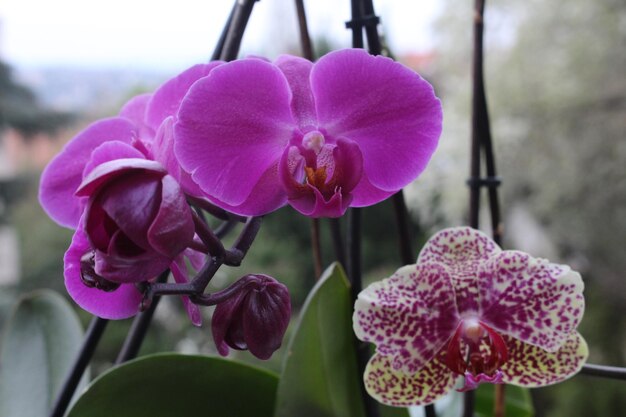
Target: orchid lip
(466, 353)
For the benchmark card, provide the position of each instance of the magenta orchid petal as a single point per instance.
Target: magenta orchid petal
(135, 111)
(297, 72)
(264, 198)
(365, 194)
(172, 229)
(131, 203)
(385, 104)
(166, 99)
(120, 303)
(163, 149)
(530, 366)
(398, 315)
(530, 299)
(125, 269)
(315, 204)
(399, 389)
(179, 271)
(63, 174)
(111, 151)
(232, 127)
(111, 170)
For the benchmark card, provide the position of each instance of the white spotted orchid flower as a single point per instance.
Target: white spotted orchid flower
(469, 309)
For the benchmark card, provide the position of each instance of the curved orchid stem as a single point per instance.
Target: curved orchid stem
(92, 338)
(613, 372)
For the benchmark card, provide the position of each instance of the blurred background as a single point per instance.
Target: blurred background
(556, 86)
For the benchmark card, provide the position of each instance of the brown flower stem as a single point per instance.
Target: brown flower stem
(316, 247)
(499, 400)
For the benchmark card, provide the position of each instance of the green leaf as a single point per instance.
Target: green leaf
(386, 411)
(41, 341)
(174, 385)
(518, 401)
(320, 377)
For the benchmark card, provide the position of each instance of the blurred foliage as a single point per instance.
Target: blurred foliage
(20, 109)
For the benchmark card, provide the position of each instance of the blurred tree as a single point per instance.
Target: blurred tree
(20, 109)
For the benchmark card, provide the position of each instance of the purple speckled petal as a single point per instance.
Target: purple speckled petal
(458, 245)
(63, 174)
(172, 229)
(409, 316)
(179, 271)
(461, 249)
(531, 366)
(118, 304)
(167, 98)
(530, 299)
(297, 71)
(385, 107)
(111, 151)
(233, 127)
(398, 389)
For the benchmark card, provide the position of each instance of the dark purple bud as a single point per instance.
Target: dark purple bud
(255, 317)
(137, 219)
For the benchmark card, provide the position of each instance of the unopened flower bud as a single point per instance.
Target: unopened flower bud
(255, 317)
(137, 219)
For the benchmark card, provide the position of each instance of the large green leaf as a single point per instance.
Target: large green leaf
(174, 385)
(518, 401)
(320, 377)
(41, 341)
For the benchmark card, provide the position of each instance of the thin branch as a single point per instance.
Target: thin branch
(217, 52)
(316, 247)
(92, 337)
(139, 328)
(240, 15)
(305, 38)
(613, 372)
(407, 255)
(336, 237)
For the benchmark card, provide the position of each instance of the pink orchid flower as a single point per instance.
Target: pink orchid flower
(468, 309)
(118, 184)
(349, 130)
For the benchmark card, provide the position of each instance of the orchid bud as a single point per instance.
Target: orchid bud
(137, 219)
(255, 317)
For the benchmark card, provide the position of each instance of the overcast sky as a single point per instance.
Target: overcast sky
(171, 35)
